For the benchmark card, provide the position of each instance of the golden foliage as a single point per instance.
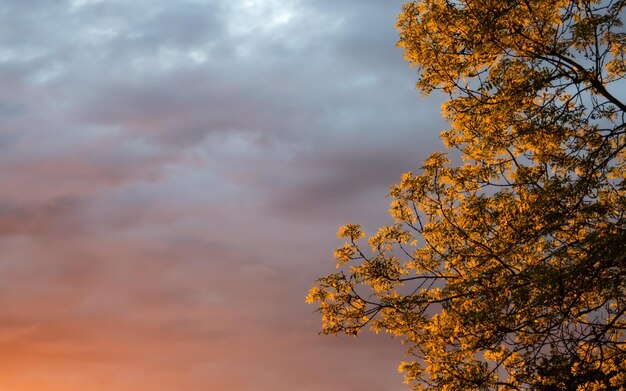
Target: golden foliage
(506, 271)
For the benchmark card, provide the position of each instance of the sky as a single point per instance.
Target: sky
(173, 176)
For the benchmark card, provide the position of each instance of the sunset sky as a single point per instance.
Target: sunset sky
(173, 175)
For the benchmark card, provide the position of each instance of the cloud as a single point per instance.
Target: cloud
(172, 177)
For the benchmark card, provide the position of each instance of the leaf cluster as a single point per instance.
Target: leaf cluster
(506, 270)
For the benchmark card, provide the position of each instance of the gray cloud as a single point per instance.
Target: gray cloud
(173, 174)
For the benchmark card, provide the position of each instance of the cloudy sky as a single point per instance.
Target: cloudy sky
(173, 174)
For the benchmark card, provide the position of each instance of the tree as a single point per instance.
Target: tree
(505, 267)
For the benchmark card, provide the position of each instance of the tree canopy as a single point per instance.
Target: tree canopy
(505, 268)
